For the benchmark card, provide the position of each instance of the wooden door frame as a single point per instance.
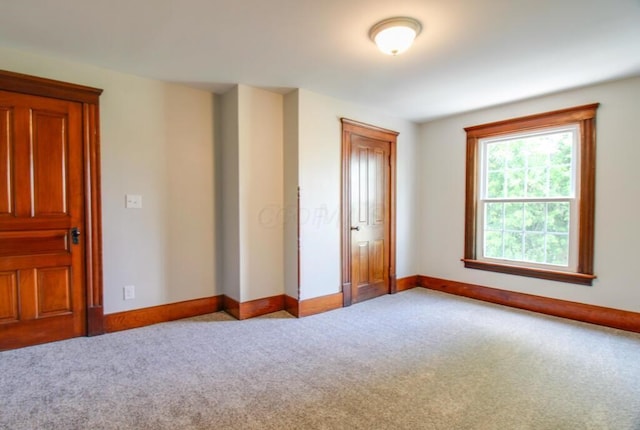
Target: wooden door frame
(89, 99)
(350, 126)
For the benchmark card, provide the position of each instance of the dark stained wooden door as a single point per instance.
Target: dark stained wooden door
(42, 293)
(370, 214)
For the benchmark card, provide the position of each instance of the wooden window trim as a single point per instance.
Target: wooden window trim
(585, 117)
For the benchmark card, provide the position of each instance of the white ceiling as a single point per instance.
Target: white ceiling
(471, 53)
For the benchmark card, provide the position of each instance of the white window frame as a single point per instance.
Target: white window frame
(573, 199)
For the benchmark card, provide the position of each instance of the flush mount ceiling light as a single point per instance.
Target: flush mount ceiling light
(395, 35)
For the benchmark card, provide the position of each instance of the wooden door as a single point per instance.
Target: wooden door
(42, 291)
(370, 206)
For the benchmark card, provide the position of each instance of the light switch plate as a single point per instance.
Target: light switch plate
(133, 201)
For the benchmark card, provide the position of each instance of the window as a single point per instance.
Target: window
(527, 198)
(530, 196)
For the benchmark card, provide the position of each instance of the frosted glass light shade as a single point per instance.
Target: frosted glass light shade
(395, 35)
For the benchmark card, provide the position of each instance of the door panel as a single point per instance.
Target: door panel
(362, 184)
(33, 242)
(49, 163)
(381, 162)
(54, 291)
(6, 197)
(19, 138)
(8, 297)
(361, 263)
(370, 206)
(41, 184)
(376, 256)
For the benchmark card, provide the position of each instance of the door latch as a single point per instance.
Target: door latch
(75, 235)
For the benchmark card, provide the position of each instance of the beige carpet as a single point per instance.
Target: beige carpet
(414, 360)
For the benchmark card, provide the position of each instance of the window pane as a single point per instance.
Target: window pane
(515, 183)
(494, 216)
(533, 232)
(534, 248)
(561, 153)
(495, 185)
(516, 155)
(537, 155)
(534, 217)
(537, 182)
(558, 217)
(513, 246)
(513, 216)
(560, 181)
(496, 154)
(493, 244)
(558, 249)
(537, 166)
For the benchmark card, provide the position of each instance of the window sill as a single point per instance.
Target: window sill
(551, 275)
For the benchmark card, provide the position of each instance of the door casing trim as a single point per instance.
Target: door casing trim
(350, 126)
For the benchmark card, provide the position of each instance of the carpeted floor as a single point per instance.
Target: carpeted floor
(415, 360)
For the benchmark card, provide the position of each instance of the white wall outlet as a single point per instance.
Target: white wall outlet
(133, 201)
(129, 292)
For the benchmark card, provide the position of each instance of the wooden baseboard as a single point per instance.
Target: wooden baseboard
(163, 313)
(407, 283)
(321, 304)
(254, 308)
(231, 306)
(95, 321)
(292, 306)
(608, 317)
(330, 302)
(615, 318)
(297, 308)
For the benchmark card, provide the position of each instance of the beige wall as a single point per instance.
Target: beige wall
(157, 141)
(319, 170)
(289, 214)
(252, 196)
(261, 193)
(229, 204)
(617, 233)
